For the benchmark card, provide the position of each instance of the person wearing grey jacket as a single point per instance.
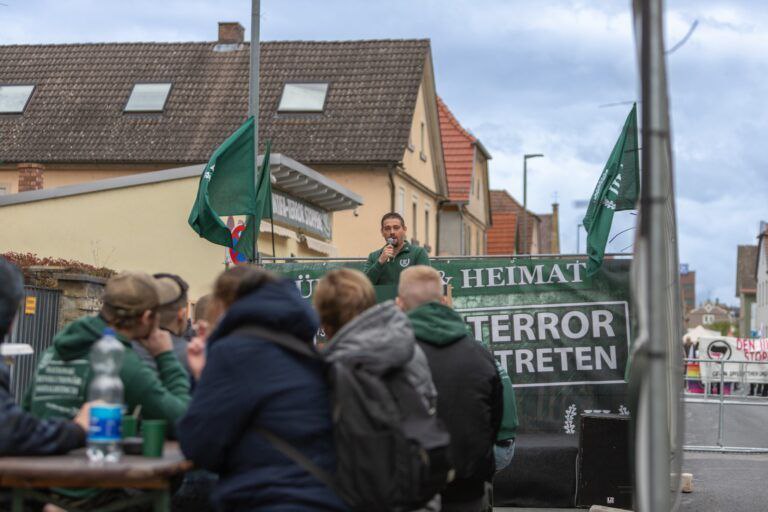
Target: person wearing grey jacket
(355, 324)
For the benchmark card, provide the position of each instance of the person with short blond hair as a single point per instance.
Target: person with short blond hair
(419, 285)
(469, 388)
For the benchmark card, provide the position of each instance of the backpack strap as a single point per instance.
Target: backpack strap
(299, 458)
(285, 340)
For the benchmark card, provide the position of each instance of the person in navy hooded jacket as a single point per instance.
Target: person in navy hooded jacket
(249, 383)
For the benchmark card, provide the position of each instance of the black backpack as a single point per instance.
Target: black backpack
(391, 451)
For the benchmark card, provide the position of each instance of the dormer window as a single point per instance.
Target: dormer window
(148, 97)
(303, 97)
(14, 98)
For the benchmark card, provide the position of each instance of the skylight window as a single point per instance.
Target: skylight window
(14, 98)
(306, 97)
(148, 98)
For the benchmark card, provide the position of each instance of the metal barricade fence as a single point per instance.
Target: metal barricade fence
(35, 325)
(748, 389)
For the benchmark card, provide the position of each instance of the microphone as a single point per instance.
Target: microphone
(391, 241)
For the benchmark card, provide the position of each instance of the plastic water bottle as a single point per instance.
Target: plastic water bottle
(104, 425)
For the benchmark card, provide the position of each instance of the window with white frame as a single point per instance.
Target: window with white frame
(415, 217)
(14, 98)
(708, 319)
(303, 97)
(426, 224)
(148, 97)
(400, 206)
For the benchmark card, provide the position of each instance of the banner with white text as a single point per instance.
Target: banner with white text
(564, 336)
(744, 359)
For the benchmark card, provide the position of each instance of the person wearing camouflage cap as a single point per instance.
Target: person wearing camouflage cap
(21, 433)
(131, 302)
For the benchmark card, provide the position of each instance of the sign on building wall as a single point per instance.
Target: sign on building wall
(563, 336)
(295, 212)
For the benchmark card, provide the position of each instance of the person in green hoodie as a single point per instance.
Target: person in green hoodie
(60, 384)
(473, 399)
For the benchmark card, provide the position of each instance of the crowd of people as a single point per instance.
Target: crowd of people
(246, 391)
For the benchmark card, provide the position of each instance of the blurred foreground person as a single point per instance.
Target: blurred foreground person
(392, 448)
(21, 433)
(172, 315)
(470, 396)
(252, 388)
(60, 384)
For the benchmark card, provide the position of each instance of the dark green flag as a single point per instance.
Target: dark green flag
(262, 209)
(226, 188)
(616, 190)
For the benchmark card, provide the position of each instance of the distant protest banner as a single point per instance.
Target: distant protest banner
(564, 337)
(745, 359)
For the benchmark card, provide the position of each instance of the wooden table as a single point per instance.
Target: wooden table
(74, 470)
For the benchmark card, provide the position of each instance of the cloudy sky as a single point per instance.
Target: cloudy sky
(535, 76)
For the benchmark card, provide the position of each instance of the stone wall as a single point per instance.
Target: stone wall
(81, 295)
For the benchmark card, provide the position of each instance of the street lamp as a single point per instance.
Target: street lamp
(525, 194)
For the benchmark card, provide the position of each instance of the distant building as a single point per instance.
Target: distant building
(687, 289)
(466, 215)
(746, 288)
(508, 220)
(361, 115)
(761, 264)
(709, 313)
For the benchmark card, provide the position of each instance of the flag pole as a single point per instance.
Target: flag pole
(253, 105)
(272, 223)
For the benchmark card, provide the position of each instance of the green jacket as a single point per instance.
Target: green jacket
(60, 384)
(509, 422)
(438, 324)
(389, 273)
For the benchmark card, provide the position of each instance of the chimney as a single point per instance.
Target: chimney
(555, 237)
(30, 176)
(231, 32)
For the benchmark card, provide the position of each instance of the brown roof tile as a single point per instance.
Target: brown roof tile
(76, 111)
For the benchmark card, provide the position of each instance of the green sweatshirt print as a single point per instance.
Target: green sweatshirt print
(60, 384)
(389, 272)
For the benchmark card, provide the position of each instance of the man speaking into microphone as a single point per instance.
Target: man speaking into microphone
(384, 265)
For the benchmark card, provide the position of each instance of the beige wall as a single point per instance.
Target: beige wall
(479, 191)
(356, 233)
(421, 169)
(59, 175)
(134, 228)
(424, 201)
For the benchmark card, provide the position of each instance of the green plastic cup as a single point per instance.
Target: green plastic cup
(153, 434)
(128, 426)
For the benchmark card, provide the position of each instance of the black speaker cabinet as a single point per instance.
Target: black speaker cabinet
(604, 472)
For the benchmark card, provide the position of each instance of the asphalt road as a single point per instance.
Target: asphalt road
(722, 482)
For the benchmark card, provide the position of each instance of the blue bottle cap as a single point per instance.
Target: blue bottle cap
(108, 331)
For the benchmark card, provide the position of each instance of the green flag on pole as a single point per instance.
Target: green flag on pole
(616, 190)
(226, 188)
(262, 209)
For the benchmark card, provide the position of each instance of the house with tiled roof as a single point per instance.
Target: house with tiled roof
(465, 216)
(506, 235)
(746, 287)
(360, 113)
(761, 282)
